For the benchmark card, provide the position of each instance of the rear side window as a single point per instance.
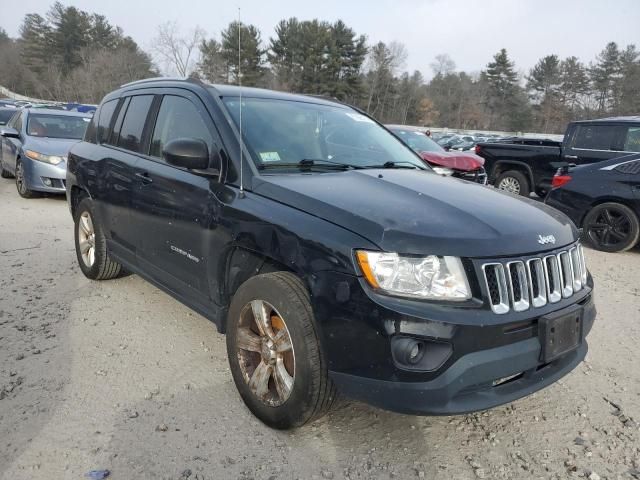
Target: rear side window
(597, 137)
(104, 121)
(632, 140)
(178, 118)
(133, 124)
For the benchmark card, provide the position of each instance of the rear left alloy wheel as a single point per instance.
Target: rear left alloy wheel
(274, 353)
(612, 227)
(91, 246)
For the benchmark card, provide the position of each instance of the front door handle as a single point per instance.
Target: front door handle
(571, 157)
(144, 176)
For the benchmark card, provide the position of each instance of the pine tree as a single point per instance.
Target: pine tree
(251, 53)
(212, 66)
(604, 75)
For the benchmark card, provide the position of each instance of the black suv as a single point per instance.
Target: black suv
(331, 256)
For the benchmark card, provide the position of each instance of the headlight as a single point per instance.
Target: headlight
(442, 170)
(41, 157)
(432, 277)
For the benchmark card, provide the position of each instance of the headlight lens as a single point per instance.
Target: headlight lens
(432, 277)
(442, 170)
(41, 157)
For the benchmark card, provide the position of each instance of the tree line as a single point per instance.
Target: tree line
(74, 55)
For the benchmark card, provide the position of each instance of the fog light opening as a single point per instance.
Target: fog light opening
(416, 352)
(47, 181)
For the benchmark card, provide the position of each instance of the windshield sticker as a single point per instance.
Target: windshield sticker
(269, 156)
(360, 118)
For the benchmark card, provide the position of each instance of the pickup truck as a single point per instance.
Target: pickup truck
(523, 165)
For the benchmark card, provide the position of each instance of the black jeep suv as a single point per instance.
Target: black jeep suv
(331, 256)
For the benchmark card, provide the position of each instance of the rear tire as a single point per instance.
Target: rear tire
(611, 227)
(514, 182)
(91, 245)
(21, 184)
(281, 299)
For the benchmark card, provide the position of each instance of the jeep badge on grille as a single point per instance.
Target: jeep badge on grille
(544, 239)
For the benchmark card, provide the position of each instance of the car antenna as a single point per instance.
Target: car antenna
(240, 120)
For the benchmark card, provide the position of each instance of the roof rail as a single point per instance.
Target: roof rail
(160, 79)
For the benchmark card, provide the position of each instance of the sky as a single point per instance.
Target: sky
(470, 31)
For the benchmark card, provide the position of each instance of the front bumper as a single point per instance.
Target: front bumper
(478, 176)
(487, 349)
(468, 385)
(37, 173)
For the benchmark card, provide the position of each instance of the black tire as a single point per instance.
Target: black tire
(611, 227)
(3, 172)
(514, 182)
(541, 192)
(103, 267)
(21, 186)
(312, 393)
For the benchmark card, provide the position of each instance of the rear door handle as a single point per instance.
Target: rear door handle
(144, 176)
(571, 157)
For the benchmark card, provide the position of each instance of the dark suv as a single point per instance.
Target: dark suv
(331, 256)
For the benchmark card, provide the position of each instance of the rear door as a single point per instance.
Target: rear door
(174, 208)
(594, 142)
(122, 135)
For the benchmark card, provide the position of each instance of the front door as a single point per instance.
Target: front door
(176, 210)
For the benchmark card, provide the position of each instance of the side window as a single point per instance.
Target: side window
(104, 121)
(113, 138)
(17, 121)
(133, 124)
(178, 118)
(597, 137)
(632, 140)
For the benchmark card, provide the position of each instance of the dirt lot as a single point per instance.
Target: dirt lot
(117, 375)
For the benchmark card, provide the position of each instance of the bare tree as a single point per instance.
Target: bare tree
(178, 52)
(443, 64)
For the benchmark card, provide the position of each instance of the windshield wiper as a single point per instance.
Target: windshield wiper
(308, 163)
(410, 165)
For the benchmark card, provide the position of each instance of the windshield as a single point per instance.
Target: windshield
(57, 126)
(418, 141)
(287, 132)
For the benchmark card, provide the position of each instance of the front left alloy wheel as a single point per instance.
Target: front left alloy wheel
(274, 353)
(21, 183)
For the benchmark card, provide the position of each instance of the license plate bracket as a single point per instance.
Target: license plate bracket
(560, 333)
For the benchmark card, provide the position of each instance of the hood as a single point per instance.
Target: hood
(49, 146)
(457, 160)
(418, 212)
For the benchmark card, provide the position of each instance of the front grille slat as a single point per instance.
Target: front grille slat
(532, 283)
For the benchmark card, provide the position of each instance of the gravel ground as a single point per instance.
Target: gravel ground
(117, 375)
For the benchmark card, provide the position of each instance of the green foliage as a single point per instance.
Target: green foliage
(252, 68)
(69, 42)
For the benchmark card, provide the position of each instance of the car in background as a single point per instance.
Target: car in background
(34, 146)
(523, 165)
(6, 103)
(602, 198)
(467, 166)
(5, 115)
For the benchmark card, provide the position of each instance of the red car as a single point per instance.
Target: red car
(465, 165)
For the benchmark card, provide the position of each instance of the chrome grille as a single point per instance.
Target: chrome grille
(522, 284)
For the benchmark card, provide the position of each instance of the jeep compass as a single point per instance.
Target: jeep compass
(332, 257)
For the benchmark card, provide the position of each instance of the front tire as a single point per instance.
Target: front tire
(274, 353)
(91, 246)
(611, 227)
(4, 173)
(21, 184)
(514, 182)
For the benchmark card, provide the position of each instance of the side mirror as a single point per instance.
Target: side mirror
(190, 153)
(9, 132)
